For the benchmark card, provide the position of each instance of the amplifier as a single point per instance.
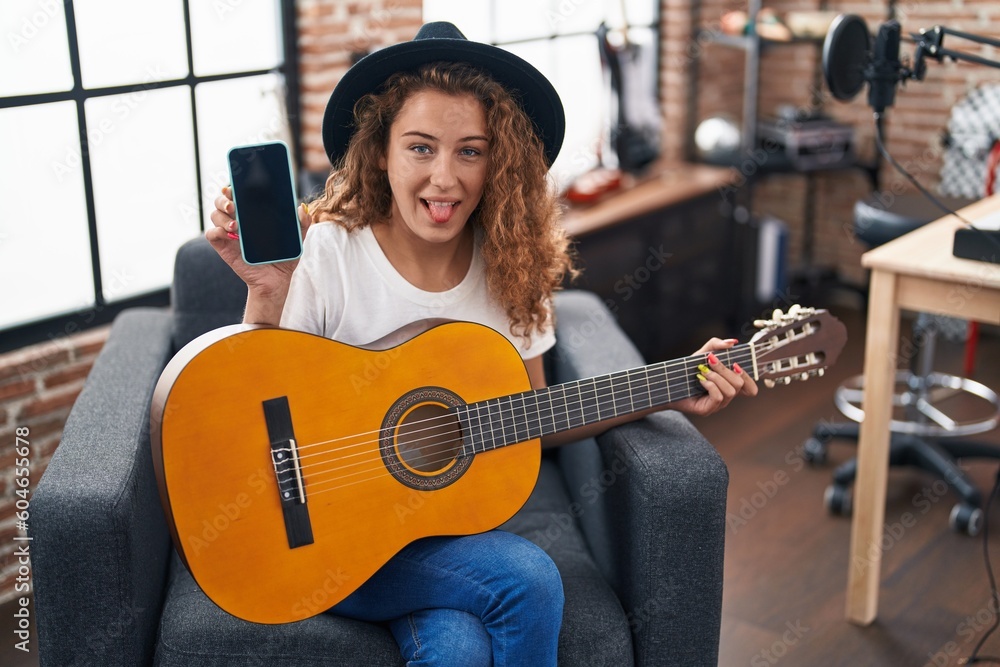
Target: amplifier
(818, 143)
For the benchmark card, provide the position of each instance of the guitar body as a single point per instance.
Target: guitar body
(374, 476)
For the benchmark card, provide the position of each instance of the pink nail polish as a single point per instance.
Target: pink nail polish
(712, 359)
(232, 236)
(736, 367)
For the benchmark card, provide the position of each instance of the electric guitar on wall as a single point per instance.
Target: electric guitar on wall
(289, 464)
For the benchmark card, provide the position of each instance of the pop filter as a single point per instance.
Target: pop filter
(847, 51)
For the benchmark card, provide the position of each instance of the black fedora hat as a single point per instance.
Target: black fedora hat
(442, 41)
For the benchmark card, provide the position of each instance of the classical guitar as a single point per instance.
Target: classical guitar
(291, 467)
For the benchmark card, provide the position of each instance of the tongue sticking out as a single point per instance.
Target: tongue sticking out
(440, 212)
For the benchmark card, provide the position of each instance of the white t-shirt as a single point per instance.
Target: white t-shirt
(346, 289)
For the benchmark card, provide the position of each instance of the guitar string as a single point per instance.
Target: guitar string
(317, 478)
(437, 421)
(452, 420)
(762, 348)
(380, 473)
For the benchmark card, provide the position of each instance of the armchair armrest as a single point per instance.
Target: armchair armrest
(669, 530)
(100, 543)
(650, 497)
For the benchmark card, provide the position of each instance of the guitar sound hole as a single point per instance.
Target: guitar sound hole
(429, 438)
(421, 443)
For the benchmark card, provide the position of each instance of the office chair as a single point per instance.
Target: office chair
(925, 436)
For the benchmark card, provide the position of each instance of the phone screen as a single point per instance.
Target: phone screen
(264, 198)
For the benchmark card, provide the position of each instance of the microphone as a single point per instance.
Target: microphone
(885, 71)
(849, 61)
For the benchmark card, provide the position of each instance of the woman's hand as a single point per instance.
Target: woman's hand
(722, 384)
(264, 281)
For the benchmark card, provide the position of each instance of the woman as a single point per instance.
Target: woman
(439, 206)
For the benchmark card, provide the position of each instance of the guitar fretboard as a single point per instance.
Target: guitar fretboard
(516, 418)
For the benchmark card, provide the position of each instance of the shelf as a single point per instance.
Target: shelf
(745, 41)
(779, 163)
(666, 184)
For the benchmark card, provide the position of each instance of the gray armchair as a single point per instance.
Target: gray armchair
(635, 520)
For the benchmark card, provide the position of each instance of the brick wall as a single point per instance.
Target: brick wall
(38, 385)
(330, 33)
(790, 75)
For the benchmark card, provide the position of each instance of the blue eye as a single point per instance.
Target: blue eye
(420, 149)
(470, 152)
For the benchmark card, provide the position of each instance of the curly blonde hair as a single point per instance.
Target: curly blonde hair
(524, 248)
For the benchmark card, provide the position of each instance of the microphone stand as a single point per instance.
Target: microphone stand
(929, 43)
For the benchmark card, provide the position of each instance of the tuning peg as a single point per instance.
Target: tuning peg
(820, 372)
(804, 376)
(787, 379)
(769, 383)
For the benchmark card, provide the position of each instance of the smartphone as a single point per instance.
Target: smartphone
(264, 201)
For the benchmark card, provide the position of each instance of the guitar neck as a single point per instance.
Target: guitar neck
(516, 418)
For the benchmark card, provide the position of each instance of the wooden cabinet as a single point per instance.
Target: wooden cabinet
(662, 253)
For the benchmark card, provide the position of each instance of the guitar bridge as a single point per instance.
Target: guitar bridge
(288, 472)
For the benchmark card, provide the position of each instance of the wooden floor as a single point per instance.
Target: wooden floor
(786, 558)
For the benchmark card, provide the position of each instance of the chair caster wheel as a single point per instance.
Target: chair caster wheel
(837, 500)
(966, 519)
(814, 452)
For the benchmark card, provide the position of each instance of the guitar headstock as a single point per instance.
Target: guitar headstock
(797, 345)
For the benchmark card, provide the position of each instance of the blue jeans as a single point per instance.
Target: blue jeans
(493, 598)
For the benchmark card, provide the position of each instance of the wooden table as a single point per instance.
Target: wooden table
(915, 272)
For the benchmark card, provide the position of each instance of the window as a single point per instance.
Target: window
(558, 37)
(115, 119)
